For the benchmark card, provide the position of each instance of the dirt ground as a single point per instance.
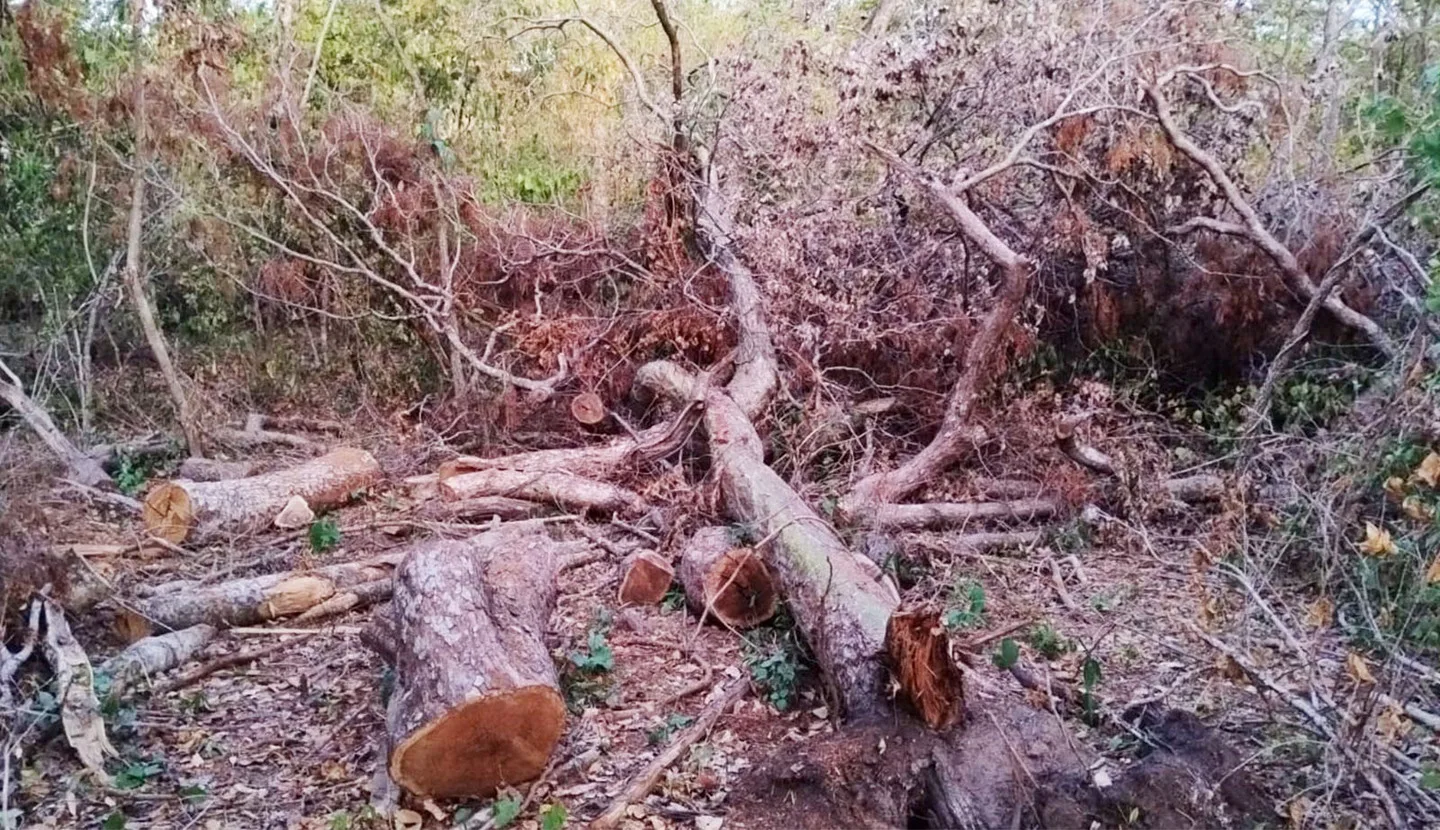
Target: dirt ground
(291, 740)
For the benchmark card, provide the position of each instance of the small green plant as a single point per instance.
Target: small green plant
(674, 599)
(552, 817)
(597, 656)
(1007, 654)
(505, 811)
(194, 793)
(324, 535)
(966, 607)
(661, 734)
(776, 658)
(1430, 778)
(340, 820)
(114, 821)
(195, 703)
(130, 474)
(134, 775)
(1048, 642)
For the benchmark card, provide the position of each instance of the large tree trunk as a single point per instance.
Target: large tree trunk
(477, 703)
(727, 581)
(255, 599)
(82, 467)
(179, 509)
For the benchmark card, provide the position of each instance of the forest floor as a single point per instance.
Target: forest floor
(291, 739)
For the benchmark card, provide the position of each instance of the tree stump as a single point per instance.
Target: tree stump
(726, 582)
(645, 577)
(180, 509)
(477, 702)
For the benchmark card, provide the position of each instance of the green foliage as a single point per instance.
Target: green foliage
(194, 793)
(1048, 642)
(136, 773)
(324, 535)
(1430, 777)
(661, 734)
(1007, 654)
(552, 817)
(596, 657)
(776, 659)
(340, 820)
(965, 607)
(673, 600)
(114, 821)
(505, 811)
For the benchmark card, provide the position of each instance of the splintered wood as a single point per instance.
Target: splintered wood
(178, 510)
(919, 655)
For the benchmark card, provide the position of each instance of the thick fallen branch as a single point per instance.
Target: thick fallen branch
(255, 599)
(82, 467)
(1252, 228)
(154, 655)
(949, 514)
(641, 785)
(957, 429)
(477, 702)
(561, 489)
(357, 596)
(481, 509)
(229, 661)
(210, 469)
(10, 662)
(178, 510)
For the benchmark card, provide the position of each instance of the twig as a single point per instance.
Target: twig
(10, 662)
(229, 661)
(96, 494)
(641, 785)
(1058, 580)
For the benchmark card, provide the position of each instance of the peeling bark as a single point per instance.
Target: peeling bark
(560, 489)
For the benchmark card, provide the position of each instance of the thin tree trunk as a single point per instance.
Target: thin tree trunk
(83, 468)
(133, 278)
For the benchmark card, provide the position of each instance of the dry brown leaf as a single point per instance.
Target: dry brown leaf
(1320, 613)
(1417, 509)
(1377, 542)
(1230, 668)
(1392, 724)
(1395, 487)
(408, 820)
(1358, 669)
(1429, 470)
(1432, 573)
(1296, 813)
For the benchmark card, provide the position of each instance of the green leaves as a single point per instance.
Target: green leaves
(1008, 654)
(597, 655)
(136, 774)
(661, 734)
(114, 821)
(966, 607)
(505, 811)
(552, 817)
(324, 535)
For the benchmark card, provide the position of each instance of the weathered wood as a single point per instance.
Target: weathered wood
(83, 468)
(948, 514)
(180, 509)
(726, 581)
(645, 577)
(561, 489)
(483, 508)
(211, 469)
(254, 599)
(146, 658)
(477, 703)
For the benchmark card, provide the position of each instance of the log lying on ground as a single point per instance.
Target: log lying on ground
(841, 610)
(180, 509)
(477, 703)
(366, 593)
(483, 508)
(950, 514)
(645, 577)
(211, 469)
(148, 657)
(255, 599)
(560, 489)
(82, 467)
(727, 582)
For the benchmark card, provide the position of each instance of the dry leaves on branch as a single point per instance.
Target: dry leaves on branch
(1377, 542)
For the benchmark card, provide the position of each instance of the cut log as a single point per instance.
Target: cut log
(483, 508)
(646, 576)
(727, 582)
(255, 599)
(477, 703)
(210, 469)
(948, 514)
(840, 609)
(148, 657)
(560, 489)
(178, 510)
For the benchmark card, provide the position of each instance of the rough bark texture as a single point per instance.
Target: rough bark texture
(251, 600)
(727, 582)
(210, 469)
(146, 658)
(180, 509)
(560, 489)
(483, 508)
(949, 514)
(645, 577)
(477, 703)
